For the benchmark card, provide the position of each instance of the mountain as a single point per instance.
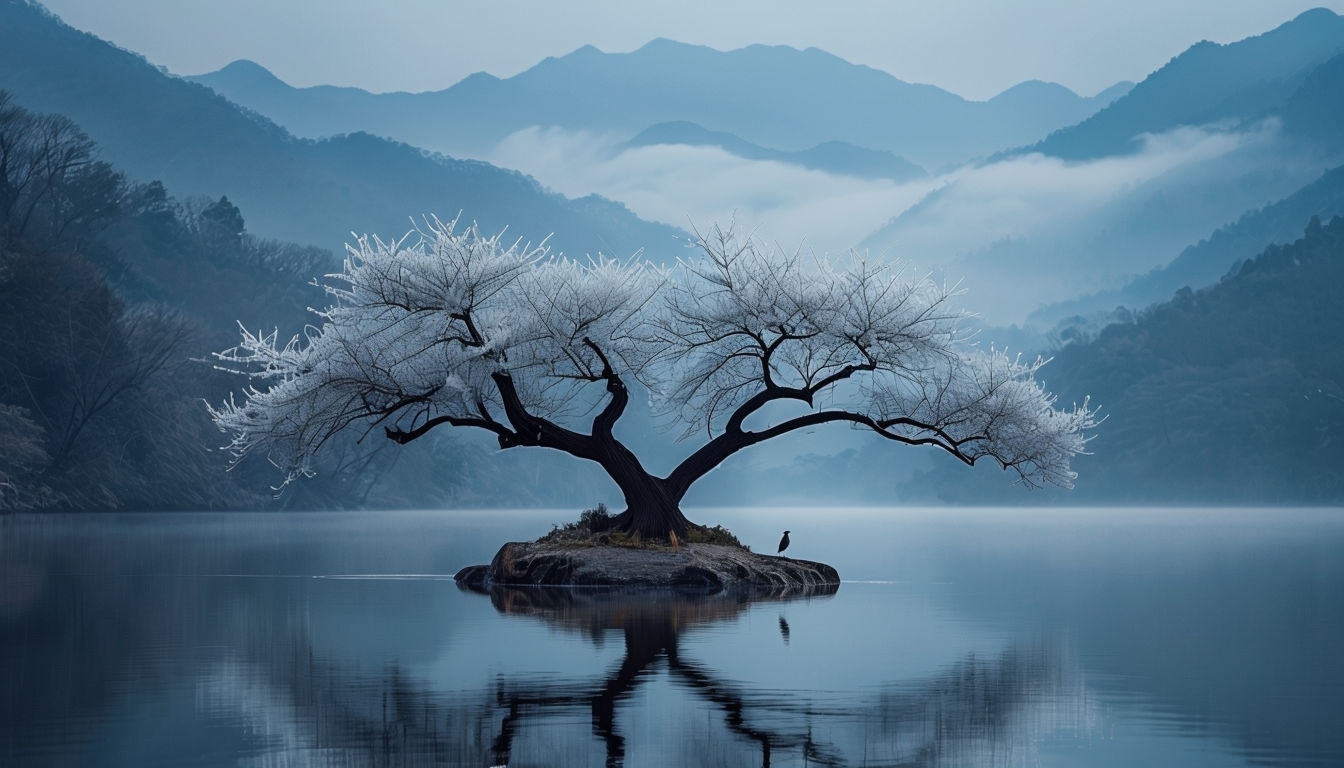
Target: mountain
(774, 96)
(1234, 393)
(831, 157)
(1070, 222)
(1203, 263)
(1229, 395)
(1314, 113)
(1208, 83)
(1027, 232)
(154, 126)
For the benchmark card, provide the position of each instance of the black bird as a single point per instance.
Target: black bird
(784, 543)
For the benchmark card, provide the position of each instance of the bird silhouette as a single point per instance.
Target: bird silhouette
(784, 543)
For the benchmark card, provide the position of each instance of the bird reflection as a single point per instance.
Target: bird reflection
(784, 628)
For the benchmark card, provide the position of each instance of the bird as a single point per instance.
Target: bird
(784, 543)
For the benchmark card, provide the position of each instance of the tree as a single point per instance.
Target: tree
(22, 459)
(220, 226)
(72, 351)
(51, 187)
(743, 343)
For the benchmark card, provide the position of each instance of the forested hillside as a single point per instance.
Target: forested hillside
(1229, 395)
(109, 288)
(114, 294)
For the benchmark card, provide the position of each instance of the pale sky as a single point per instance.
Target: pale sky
(975, 48)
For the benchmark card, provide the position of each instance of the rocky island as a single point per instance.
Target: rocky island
(584, 554)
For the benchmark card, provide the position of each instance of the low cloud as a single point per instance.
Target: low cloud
(687, 187)
(1032, 230)
(1022, 231)
(1034, 195)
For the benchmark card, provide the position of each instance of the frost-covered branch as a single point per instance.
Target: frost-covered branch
(988, 404)
(848, 341)
(743, 341)
(753, 325)
(417, 333)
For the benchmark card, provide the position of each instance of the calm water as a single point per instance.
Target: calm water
(960, 637)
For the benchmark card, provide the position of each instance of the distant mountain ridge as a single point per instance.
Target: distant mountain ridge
(154, 126)
(832, 157)
(775, 96)
(1314, 114)
(1270, 111)
(1208, 83)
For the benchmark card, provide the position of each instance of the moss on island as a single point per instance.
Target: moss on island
(595, 528)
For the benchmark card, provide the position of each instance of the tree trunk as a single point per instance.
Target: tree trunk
(650, 510)
(652, 516)
(652, 506)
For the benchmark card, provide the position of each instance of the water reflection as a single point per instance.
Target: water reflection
(306, 710)
(238, 640)
(652, 624)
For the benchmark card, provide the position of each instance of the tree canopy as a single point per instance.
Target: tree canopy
(742, 342)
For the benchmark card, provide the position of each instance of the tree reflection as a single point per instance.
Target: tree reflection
(975, 711)
(652, 624)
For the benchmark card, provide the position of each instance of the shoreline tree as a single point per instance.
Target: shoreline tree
(742, 344)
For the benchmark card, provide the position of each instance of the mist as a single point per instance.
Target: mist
(695, 187)
(1032, 229)
(1017, 232)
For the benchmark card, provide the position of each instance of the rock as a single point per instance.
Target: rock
(473, 576)
(707, 568)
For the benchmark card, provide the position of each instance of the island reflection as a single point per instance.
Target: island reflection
(982, 711)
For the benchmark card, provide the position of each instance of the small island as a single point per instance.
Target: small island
(593, 552)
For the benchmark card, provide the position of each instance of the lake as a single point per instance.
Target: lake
(960, 637)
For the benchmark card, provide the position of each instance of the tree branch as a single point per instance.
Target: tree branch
(402, 437)
(531, 430)
(713, 453)
(605, 421)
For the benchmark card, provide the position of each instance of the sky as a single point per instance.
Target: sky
(974, 48)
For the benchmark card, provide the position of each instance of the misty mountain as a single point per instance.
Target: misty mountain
(1219, 131)
(1227, 394)
(1203, 263)
(156, 126)
(773, 96)
(1232, 394)
(1314, 113)
(831, 157)
(1211, 83)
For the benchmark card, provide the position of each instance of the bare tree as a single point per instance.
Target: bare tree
(49, 178)
(72, 349)
(743, 343)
